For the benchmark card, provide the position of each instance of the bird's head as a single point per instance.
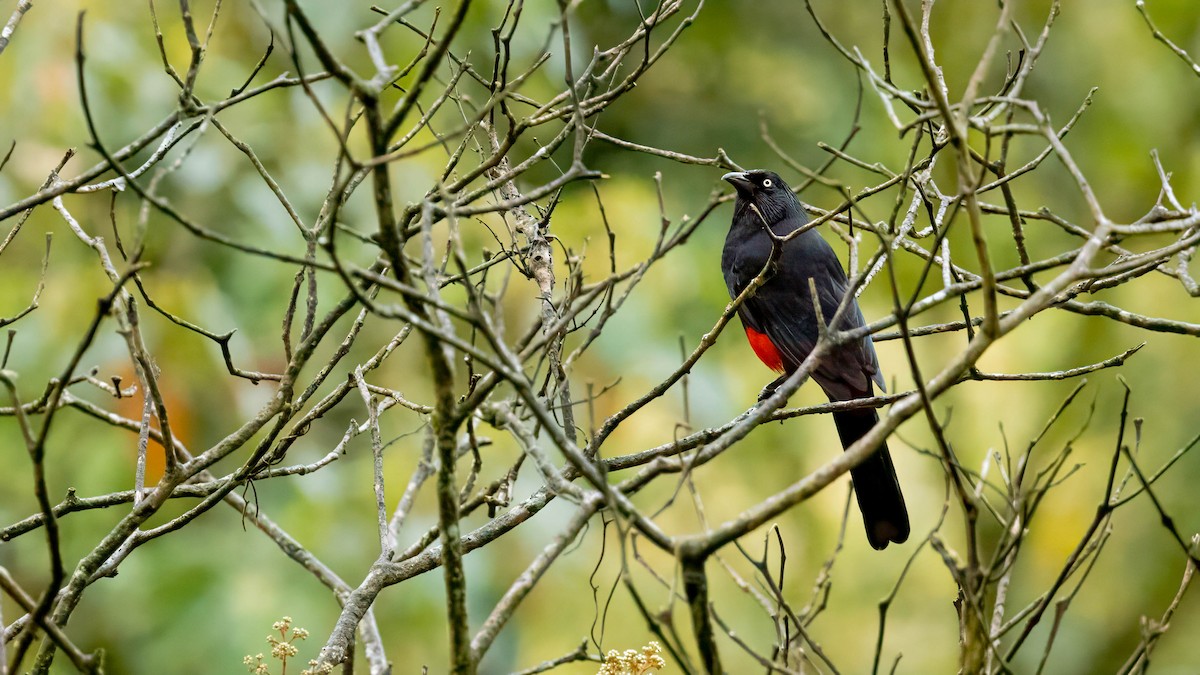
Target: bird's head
(766, 191)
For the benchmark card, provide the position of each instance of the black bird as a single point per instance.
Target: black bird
(782, 329)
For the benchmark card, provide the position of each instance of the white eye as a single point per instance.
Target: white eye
(767, 182)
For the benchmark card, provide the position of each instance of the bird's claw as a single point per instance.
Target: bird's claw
(769, 390)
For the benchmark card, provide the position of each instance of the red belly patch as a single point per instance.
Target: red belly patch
(765, 349)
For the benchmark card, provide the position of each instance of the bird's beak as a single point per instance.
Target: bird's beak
(738, 180)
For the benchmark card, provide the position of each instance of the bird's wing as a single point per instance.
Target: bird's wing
(783, 310)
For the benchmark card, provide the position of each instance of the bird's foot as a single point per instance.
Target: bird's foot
(769, 390)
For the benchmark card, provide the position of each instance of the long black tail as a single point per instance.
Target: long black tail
(875, 482)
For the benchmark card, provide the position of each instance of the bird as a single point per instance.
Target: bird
(782, 328)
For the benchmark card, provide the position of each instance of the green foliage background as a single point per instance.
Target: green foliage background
(199, 600)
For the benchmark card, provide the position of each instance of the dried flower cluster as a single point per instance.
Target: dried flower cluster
(282, 649)
(633, 662)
